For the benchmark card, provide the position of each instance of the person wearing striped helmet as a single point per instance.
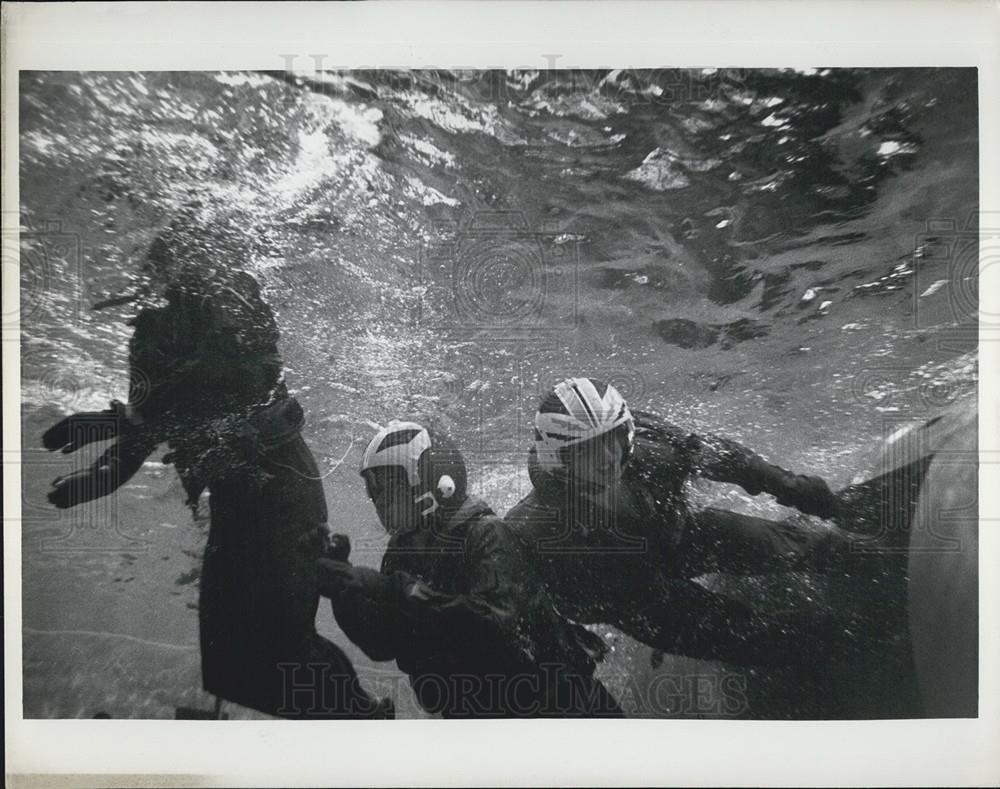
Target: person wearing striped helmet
(584, 434)
(455, 604)
(616, 541)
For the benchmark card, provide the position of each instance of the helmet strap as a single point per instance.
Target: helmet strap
(430, 504)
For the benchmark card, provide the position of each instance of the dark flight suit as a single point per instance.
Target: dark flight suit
(632, 564)
(205, 378)
(457, 607)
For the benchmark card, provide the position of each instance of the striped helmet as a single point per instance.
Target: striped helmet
(577, 410)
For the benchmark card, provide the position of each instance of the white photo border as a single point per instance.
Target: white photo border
(723, 33)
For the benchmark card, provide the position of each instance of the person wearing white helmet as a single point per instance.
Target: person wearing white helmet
(610, 530)
(455, 603)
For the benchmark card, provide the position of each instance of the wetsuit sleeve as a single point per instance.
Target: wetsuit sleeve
(483, 621)
(371, 613)
(382, 612)
(723, 460)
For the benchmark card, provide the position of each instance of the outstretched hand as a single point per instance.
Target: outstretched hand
(322, 542)
(339, 578)
(81, 486)
(338, 547)
(85, 427)
(116, 466)
(812, 496)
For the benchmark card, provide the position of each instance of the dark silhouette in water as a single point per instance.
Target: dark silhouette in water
(206, 379)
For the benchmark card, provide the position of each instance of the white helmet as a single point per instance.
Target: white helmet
(400, 445)
(433, 465)
(577, 410)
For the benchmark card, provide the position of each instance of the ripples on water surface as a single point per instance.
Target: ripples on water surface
(744, 251)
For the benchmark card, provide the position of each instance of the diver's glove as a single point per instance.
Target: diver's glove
(338, 547)
(85, 427)
(810, 495)
(116, 466)
(322, 542)
(367, 605)
(340, 579)
(82, 486)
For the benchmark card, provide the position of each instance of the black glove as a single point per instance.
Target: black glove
(338, 579)
(338, 547)
(116, 466)
(323, 543)
(86, 427)
(81, 486)
(810, 495)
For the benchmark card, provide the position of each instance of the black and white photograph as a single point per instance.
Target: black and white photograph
(548, 392)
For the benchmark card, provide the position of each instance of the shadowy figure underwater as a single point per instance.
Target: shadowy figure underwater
(206, 380)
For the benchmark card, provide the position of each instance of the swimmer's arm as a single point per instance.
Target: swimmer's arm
(116, 466)
(366, 605)
(723, 460)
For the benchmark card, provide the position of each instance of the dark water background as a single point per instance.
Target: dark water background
(785, 257)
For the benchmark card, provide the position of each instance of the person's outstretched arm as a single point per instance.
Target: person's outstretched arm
(484, 620)
(85, 427)
(109, 472)
(377, 610)
(366, 605)
(723, 460)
